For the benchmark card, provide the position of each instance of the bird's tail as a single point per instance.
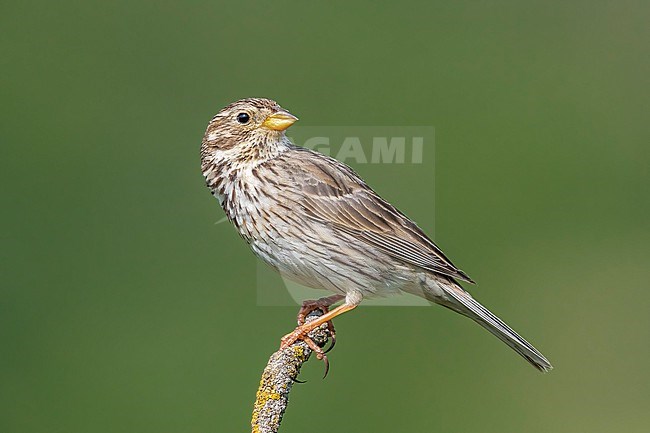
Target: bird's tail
(462, 302)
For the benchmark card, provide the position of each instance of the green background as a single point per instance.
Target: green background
(124, 308)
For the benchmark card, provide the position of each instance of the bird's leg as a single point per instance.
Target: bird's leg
(301, 331)
(322, 304)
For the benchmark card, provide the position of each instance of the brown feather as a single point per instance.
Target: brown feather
(334, 195)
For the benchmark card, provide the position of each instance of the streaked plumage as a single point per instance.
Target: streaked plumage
(316, 221)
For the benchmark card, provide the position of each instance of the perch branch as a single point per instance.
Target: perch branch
(279, 376)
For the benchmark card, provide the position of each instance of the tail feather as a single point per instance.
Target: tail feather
(466, 305)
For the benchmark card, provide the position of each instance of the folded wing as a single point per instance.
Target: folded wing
(334, 195)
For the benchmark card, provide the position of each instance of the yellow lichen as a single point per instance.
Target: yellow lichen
(263, 396)
(299, 351)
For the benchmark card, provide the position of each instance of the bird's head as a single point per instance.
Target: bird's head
(248, 128)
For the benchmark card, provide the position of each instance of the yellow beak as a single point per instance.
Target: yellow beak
(279, 121)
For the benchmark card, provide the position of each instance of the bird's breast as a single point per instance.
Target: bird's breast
(246, 201)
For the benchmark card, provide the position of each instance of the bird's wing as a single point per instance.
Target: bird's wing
(333, 194)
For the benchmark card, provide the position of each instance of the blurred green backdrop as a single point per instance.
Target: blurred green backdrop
(124, 308)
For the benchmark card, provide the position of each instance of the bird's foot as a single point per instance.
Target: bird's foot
(301, 333)
(322, 304)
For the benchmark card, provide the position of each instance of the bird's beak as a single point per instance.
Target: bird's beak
(279, 121)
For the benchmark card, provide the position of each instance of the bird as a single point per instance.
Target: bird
(316, 221)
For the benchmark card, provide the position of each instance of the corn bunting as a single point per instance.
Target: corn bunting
(315, 221)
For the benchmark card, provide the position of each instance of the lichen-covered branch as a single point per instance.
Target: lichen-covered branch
(278, 378)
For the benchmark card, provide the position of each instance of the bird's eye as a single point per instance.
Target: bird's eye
(243, 118)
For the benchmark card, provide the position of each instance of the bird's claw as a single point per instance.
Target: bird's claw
(323, 305)
(302, 330)
(300, 333)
